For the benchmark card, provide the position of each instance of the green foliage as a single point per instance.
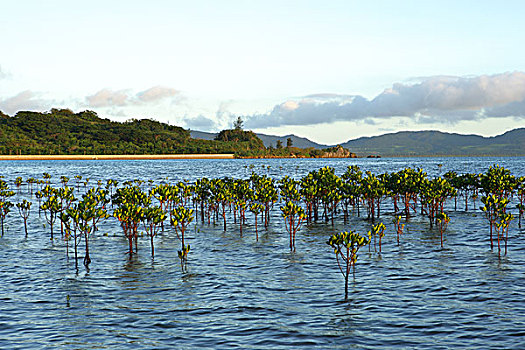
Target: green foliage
(152, 218)
(180, 219)
(294, 217)
(399, 227)
(442, 221)
(60, 131)
(346, 245)
(377, 230)
(5, 204)
(65, 132)
(24, 208)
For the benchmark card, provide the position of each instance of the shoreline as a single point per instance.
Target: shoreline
(117, 156)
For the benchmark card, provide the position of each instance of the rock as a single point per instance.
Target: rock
(338, 152)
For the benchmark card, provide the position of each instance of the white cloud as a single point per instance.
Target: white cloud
(439, 99)
(290, 105)
(156, 93)
(25, 100)
(109, 98)
(121, 98)
(200, 123)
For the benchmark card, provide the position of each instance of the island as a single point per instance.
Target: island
(63, 133)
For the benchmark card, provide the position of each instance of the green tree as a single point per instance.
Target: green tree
(237, 124)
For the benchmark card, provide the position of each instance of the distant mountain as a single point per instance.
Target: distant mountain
(268, 140)
(434, 143)
(203, 135)
(297, 141)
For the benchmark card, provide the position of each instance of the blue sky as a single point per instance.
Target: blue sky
(326, 70)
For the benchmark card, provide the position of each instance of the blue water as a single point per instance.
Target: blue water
(239, 293)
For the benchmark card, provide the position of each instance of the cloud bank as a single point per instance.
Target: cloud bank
(438, 99)
(121, 98)
(26, 100)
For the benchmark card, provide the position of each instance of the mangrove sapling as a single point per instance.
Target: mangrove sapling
(30, 181)
(110, 184)
(24, 209)
(129, 215)
(266, 192)
(442, 221)
(294, 217)
(288, 189)
(503, 227)
(202, 194)
(184, 191)
(521, 209)
(89, 213)
(398, 226)
(221, 195)
(5, 205)
(498, 181)
(71, 219)
(377, 230)
(65, 218)
(520, 191)
(346, 245)
(352, 179)
(86, 182)
(408, 183)
(130, 201)
(433, 194)
(308, 192)
(18, 183)
(453, 179)
(51, 208)
(78, 179)
(64, 180)
(242, 193)
(162, 193)
(152, 218)
(469, 184)
(373, 190)
(100, 199)
(241, 206)
(256, 209)
(47, 178)
(494, 207)
(5, 208)
(329, 191)
(66, 197)
(180, 219)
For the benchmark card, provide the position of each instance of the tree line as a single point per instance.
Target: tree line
(61, 131)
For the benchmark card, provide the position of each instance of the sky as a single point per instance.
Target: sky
(326, 70)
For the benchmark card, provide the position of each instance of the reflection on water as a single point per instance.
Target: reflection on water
(239, 293)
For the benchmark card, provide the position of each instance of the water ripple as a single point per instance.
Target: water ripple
(239, 293)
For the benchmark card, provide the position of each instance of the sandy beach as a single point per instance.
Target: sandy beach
(116, 156)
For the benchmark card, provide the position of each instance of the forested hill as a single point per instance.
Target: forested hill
(61, 131)
(434, 143)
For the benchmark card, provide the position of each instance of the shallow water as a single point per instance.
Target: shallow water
(239, 293)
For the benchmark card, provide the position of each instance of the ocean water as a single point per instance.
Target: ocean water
(240, 293)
